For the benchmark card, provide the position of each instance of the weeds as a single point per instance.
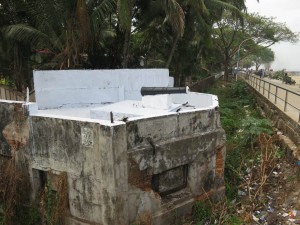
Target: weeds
(12, 181)
(249, 144)
(15, 207)
(202, 212)
(54, 204)
(262, 169)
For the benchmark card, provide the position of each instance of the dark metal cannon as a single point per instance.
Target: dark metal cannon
(162, 90)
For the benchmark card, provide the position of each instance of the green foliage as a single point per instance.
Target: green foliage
(255, 126)
(3, 82)
(205, 213)
(242, 123)
(201, 212)
(252, 31)
(234, 101)
(239, 89)
(280, 153)
(7, 82)
(278, 75)
(235, 220)
(28, 214)
(189, 36)
(262, 56)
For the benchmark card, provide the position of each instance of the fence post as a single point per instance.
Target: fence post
(285, 101)
(264, 88)
(276, 95)
(269, 90)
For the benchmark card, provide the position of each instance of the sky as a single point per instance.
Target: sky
(287, 55)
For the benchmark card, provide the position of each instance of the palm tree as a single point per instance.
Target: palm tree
(60, 32)
(196, 44)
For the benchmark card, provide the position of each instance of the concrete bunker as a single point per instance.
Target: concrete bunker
(159, 155)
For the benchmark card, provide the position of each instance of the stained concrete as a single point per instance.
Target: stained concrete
(119, 171)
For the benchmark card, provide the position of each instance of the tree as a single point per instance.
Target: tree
(249, 31)
(93, 34)
(58, 33)
(266, 31)
(262, 56)
(188, 56)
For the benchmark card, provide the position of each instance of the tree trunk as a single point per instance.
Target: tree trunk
(256, 66)
(172, 51)
(126, 48)
(226, 69)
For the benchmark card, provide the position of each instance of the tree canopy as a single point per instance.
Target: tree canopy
(190, 37)
(239, 36)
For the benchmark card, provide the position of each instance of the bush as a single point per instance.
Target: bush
(278, 75)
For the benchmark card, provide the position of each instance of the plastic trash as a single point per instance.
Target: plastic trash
(270, 209)
(255, 218)
(294, 214)
(285, 214)
(262, 219)
(241, 193)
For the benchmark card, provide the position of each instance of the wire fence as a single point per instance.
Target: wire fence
(286, 100)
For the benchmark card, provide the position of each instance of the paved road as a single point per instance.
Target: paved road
(284, 96)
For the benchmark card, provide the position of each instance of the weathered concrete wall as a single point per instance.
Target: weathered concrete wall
(290, 129)
(13, 126)
(119, 171)
(280, 120)
(6, 112)
(93, 157)
(166, 143)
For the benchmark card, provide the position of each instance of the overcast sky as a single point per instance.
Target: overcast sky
(287, 56)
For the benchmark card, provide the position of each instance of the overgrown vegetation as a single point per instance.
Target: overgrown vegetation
(13, 185)
(251, 157)
(15, 205)
(242, 123)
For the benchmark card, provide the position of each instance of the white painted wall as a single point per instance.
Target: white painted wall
(61, 88)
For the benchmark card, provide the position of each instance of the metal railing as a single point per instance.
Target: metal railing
(287, 99)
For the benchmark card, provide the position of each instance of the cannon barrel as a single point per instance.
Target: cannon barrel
(162, 90)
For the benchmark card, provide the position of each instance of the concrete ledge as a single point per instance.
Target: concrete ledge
(173, 214)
